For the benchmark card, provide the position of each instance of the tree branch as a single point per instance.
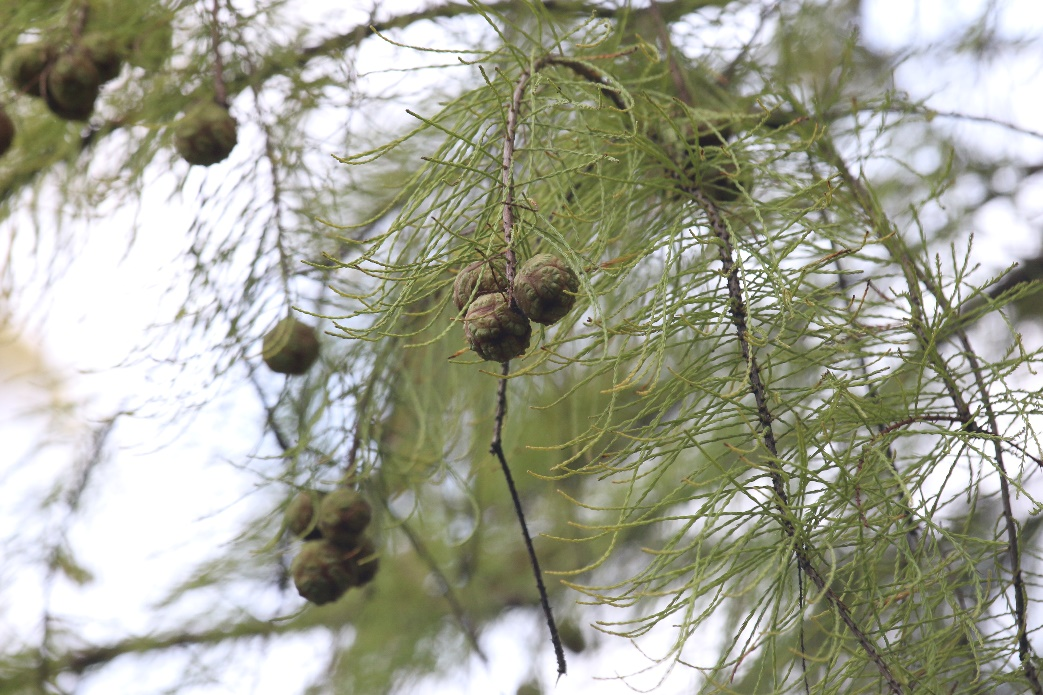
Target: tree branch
(801, 548)
(914, 277)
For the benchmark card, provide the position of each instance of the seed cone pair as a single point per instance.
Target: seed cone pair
(206, 134)
(292, 347)
(324, 571)
(544, 291)
(69, 80)
(336, 555)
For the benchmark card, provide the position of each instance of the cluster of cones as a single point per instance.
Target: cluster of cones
(544, 292)
(68, 74)
(337, 555)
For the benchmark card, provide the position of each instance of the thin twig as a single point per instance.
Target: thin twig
(801, 548)
(220, 90)
(496, 448)
(1025, 652)
(559, 652)
(459, 613)
(80, 17)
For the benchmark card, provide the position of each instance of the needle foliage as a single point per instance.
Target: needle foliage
(783, 442)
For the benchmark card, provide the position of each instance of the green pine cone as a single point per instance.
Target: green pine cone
(292, 347)
(322, 572)
(106, 55)
(343, 516)
(545, 288)
(206, 134)
(302, 514)
(24, 66)
(481, 277)
(494, 330)
(73, 85)
(367, 561)
(7, 131)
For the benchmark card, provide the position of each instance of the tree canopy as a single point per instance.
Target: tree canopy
(699, 291)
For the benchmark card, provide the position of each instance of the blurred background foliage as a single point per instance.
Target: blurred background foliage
(897, 364)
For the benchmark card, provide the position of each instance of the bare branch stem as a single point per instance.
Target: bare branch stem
(220, 90)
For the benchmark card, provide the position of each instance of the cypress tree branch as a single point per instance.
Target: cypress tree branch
(801, 548)
(459, 612)
(507, 180)
(915, 276)
(507, 173)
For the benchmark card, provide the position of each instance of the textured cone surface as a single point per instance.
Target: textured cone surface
(494, 331)
(290, 348)
(545, 288)
(72, 85)
(24, 65)
(105, 54)
(6, 132)
(366, 560)
(206, 134)
(478, 278)
(301, 513)
(322, 572)
(343, 516)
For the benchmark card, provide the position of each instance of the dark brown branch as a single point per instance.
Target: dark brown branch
(496, 448)
(559, 652)
(737, 309)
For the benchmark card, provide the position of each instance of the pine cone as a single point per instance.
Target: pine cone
(322, 572)
(494, 330)
(206, 134)
(72, 85)
(343, 516)
(367, 561)
(291, 347)
(25, 65)
(545, 288)
(302, 514)
(481, 277)
(106, 55)
(571, 636)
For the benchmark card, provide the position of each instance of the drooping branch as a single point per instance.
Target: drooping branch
(496, 448)
(917, 280)
(801, 548)
(591, 74)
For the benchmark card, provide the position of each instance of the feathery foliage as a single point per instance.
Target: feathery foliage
(784, 441)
